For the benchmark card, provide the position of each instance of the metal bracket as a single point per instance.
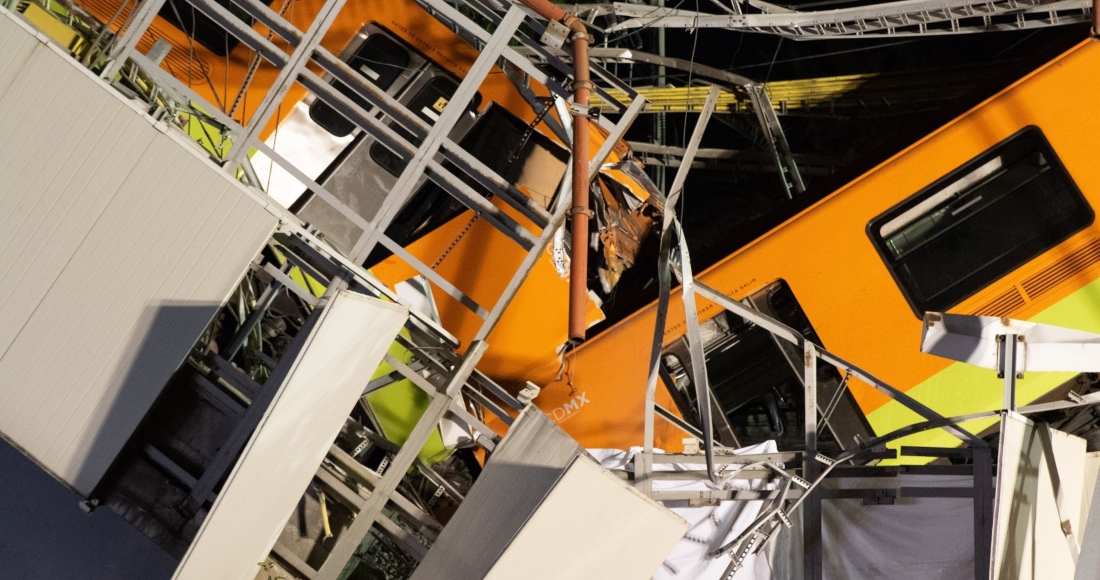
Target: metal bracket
(555, 35)
(592, 113)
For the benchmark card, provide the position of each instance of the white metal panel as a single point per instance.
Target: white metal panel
(521, 480)
(518, 475)
(1088, 566)
(1028, 538)
(352, 335)
(117, 245)
(594, 526)
(60, 168)
(16, 44)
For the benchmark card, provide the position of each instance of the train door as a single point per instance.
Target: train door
(756, 379)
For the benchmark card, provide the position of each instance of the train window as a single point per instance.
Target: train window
(756, 379)
(184, 16)
(380, 60)
(977, 224)
(495, 130)
(428, 103)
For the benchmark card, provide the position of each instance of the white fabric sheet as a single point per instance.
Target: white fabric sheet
(688, 561)
(914, 539)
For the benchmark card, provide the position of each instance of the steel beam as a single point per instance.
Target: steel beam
(350, 539)
(790, 335)
(777, 140)
(456, 107)
(289, 72)
(904, 18)
(811, 509)
(127, 42)
(242, 431)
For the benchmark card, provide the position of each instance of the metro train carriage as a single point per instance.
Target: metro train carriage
(398, 47)
(991, 214)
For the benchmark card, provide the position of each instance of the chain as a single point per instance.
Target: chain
(515, 156)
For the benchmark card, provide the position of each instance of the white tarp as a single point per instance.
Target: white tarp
(688, 561)
(913, 539)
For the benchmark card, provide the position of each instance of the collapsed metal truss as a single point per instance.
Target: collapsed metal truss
(771, 131)
(905, 18)
(448, 377)
(802, 489)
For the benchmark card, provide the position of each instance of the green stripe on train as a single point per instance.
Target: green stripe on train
(961, 389)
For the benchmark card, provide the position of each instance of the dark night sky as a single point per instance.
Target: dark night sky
(725, 209)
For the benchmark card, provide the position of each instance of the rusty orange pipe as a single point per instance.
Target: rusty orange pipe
(1095, 32)
(578, 269)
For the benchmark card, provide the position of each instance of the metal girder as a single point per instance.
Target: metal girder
(626, 55)
(350, 538)
(776, 140)
(905, 18)
(544, 51)
(643, 462)
(669, 156)
(231, 448)
(289, 72)
(792, 336)
(127, 42)
(811, 512)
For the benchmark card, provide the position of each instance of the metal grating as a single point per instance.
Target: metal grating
(1072, 265)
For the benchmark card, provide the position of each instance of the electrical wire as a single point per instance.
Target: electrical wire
(684, 132)
(650, 25)
(823, 55)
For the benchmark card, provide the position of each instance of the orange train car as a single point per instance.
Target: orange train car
(855, 270)
(991, 214)
(426, 60)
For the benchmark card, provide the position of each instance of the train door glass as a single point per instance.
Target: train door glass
(378, 59)
(756, 380)
(184, 16)
(980, 222)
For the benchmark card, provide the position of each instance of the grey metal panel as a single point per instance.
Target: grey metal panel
(518, 476)
(525, 511)
(117, 245)
(352, 334)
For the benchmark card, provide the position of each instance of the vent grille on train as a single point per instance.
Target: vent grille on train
(1073, 264)
(1002, 305)
(179, 59)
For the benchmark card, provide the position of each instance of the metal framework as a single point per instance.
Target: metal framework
(738, 87)
(905, 18)
(451, 377)
(805, 489)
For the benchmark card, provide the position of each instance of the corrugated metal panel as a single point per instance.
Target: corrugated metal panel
(352, 335)
(16, 46)
(117, 245)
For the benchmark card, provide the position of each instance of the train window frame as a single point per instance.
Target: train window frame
(325, 116)
(391, 161)
(747, 366)
(982, 170)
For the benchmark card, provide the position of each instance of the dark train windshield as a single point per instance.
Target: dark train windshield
(980, 222)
